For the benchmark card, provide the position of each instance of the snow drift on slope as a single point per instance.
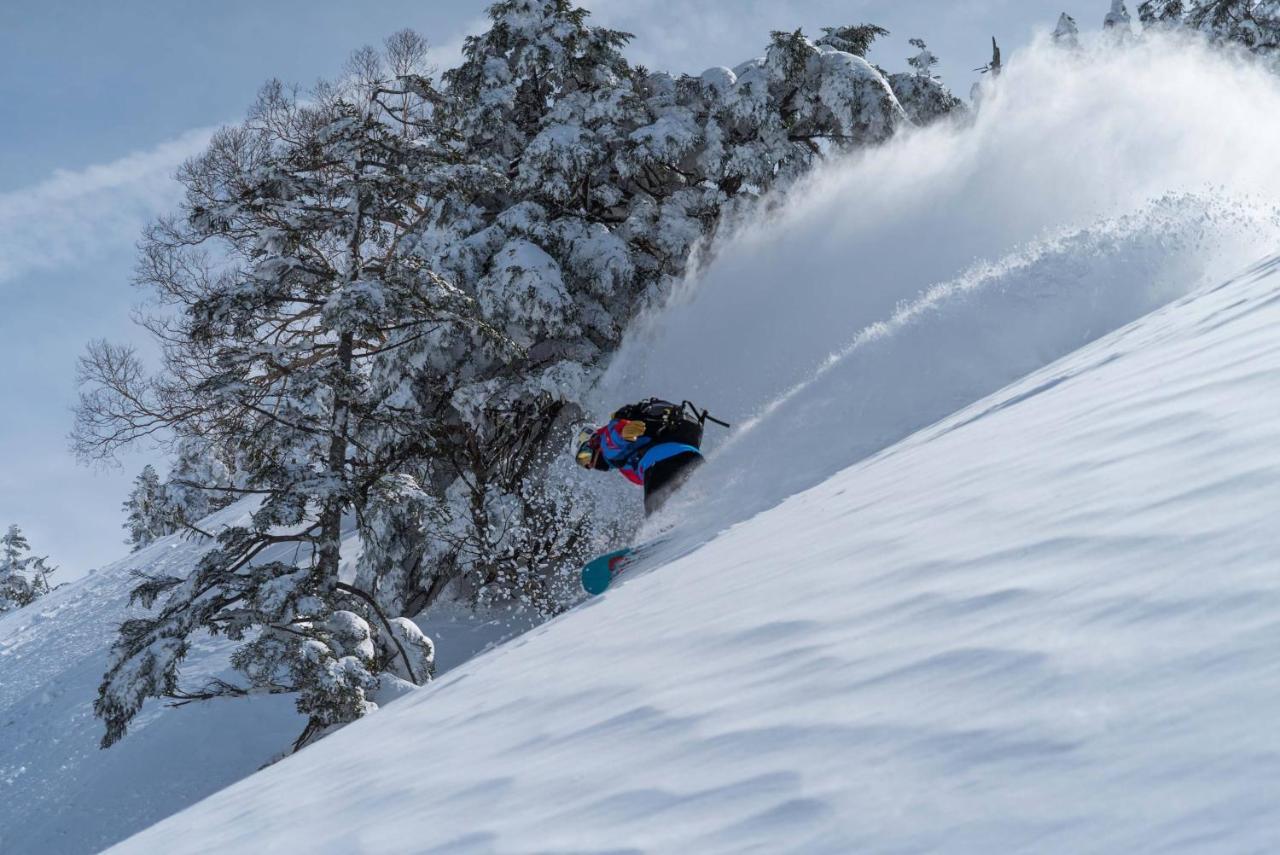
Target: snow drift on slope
(896, 286)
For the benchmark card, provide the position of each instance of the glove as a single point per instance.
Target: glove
(632, 430)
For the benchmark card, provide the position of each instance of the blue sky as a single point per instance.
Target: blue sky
(101, 102)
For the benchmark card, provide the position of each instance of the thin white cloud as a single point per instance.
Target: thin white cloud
(73, 218)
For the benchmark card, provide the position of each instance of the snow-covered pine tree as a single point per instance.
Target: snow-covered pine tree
(1161, 13)
(1117, 22)
(199, 483)
(540, 110)
(856, 40)
(545, 101)
(823, 96)
(922, 95)
(285, 280)
(727, 137)
(1252, 24)
(1266, 16)
(147, 515)
(23, 578)
(1066, 34)
(15, 588)
(1222, 20)
(924, 61)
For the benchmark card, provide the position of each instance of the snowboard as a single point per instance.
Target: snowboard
(600, 572)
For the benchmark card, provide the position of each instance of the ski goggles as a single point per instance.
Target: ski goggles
(586, 454)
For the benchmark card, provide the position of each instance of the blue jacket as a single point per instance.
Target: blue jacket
(622, 445)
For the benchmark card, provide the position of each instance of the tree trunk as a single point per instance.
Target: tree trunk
(331, 513)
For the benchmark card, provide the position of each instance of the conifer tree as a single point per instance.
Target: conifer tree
(924, 61)
(1252, 24)
(1266, 17)
(1066, 34)
(1117, 20)
(540, 109)
(922, 95)
(148, 517)
(856, 40)
(199, 483)
(1225, 20)
(23, 578)
(1161, 13)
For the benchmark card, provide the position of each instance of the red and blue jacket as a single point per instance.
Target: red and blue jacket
(623, 445)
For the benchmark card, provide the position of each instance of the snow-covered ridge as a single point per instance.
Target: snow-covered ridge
(1044, 624)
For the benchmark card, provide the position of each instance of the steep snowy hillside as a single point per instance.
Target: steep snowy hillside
(1046, 623)
(64, 794)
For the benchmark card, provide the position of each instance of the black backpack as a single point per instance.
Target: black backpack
(668, 422)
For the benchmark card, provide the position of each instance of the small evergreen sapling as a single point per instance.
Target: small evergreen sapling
(23, 578)
(922, 95)
(147, 514)
(1117, 21)
(1066, 34)
(924, 61)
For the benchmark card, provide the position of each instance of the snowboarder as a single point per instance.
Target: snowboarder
(653, 443)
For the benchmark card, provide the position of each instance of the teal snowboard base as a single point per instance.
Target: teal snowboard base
(599, 574)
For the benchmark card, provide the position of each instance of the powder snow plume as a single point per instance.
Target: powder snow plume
(900, 284)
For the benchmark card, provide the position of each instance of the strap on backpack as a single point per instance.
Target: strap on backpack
(670, 413)
(701, 415)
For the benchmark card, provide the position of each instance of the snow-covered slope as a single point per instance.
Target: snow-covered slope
(1046, 623)
(59, 793)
